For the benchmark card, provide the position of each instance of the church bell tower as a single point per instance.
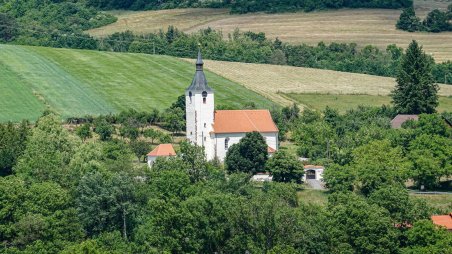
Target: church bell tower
(199, 103)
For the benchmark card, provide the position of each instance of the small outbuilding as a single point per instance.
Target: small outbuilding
(262, 177)
(313, 172)
(162, 150)
(397, 122)
(443, 221)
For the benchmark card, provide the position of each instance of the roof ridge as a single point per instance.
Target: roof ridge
(247, 117)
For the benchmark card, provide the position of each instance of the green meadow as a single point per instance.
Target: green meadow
(80, 82)
(344, 102)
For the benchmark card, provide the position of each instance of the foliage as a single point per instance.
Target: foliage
(48, 152)
(12, 145)
(249, 155)
(361, 227)
(425, 237)
(84, 131)
(408, 20)
(436, 21)
(107, 201)
(415, 92)
(8, 27)
(285, 167)
(103, 129)
(377, 164)
(140, 148)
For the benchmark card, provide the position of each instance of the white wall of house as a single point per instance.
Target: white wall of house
(151, 160)
(318, 173)
(262, 178)
(234, 138)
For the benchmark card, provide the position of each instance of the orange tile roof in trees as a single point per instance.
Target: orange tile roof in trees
(443, 220)
(243, 121)
(163, 150)
(270, 150)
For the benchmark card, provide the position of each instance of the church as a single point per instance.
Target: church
(217, 130)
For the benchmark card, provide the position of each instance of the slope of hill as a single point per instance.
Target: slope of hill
(363, 26)
(80, 82)
(272, 81)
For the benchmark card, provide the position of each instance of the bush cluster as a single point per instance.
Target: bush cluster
(435, 22)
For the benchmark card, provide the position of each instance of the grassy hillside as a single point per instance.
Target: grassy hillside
(344, 102)
(80, 82)
(375, 26)
(272, 81)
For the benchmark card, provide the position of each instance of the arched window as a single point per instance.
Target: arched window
(190, 95)
(204, 96)
(226, 143)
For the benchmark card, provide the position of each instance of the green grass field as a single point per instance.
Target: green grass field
(80, 82)
(344, 102)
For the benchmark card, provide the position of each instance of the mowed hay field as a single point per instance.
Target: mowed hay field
(273, 81)
(81, 82)
(362, 26)
(344, 102)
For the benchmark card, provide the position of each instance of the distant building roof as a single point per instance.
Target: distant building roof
(163, 150)
(313, 167)
(397, 122)
(199, 82)
(239, 121)
(443, 220)
(270, 150)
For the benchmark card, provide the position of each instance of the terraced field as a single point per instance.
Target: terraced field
(80, 82)
(362, 26)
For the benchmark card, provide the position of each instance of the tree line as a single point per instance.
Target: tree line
(435, 22)
(243, 6)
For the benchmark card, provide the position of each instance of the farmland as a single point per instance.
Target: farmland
(344, 102)
(80, 82)
(272, 81)
(362, 26)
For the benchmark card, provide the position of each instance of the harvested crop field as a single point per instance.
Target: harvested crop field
(272, 80)
(362, 26)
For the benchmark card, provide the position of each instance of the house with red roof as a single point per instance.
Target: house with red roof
(162, 150)
(443, 221)
(218, 130)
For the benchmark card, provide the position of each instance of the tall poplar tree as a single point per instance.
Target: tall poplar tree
(416, 91)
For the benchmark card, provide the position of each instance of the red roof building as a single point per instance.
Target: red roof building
(243, 121)
(163, 150)
(397, 122)
(443, 221)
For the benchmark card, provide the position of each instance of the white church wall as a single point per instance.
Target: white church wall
(199, 117)
(234, 138)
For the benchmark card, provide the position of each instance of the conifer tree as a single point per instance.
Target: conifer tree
(415, 92)
(408, 20)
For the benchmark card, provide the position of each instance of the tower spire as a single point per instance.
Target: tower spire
(199, 62)
(199, 82)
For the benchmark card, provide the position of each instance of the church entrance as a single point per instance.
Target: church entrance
(310, 174)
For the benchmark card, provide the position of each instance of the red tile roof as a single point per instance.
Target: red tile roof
(163, 150)
(239, 121)
(400, 119)
(443, 220)
(270, 150)
(312, 167)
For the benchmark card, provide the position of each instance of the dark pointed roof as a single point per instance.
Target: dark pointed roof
(199, 82)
